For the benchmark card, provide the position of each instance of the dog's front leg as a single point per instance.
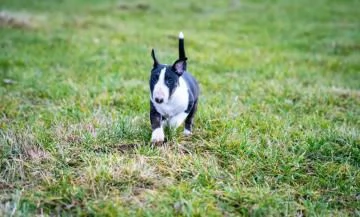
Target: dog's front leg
(177, 120)
(157, 135)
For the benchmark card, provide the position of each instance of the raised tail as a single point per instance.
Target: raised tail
(182, 55)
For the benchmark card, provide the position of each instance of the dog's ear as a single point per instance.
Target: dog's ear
(180, 66)
(156, 62)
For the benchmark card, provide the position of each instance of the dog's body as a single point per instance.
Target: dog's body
(173, 95)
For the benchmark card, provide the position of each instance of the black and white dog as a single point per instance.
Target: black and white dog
(173, 95)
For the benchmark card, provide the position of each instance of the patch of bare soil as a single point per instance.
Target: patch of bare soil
(15, 20)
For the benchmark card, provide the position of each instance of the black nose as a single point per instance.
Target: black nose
(158, 100)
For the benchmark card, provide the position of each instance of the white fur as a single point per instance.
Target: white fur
(187, 132)
(177, 103)
(160, 89)
(181, 35)
(157, 135)
(177, 120)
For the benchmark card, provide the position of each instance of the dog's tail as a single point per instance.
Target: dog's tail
(182, 55)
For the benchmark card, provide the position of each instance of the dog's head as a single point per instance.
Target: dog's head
(164, 79)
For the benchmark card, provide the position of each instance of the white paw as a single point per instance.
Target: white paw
(187, 132)
(157, 135)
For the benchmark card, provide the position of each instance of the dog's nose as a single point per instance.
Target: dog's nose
(159, 100)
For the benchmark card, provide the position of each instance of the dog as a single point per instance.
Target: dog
(174, 95)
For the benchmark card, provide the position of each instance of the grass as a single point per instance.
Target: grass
(278, 127)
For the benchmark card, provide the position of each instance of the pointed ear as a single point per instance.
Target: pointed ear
(156, 62)
(180, 66)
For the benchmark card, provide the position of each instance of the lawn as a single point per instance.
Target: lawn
(277, 131)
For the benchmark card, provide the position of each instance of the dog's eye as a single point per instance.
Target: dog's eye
(169, 82)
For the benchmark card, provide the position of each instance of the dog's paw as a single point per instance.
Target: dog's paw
(187, 132)
(157, 135)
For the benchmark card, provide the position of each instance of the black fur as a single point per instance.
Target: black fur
(193, 99)
(189, 121)
(155, 117)
(154, 77)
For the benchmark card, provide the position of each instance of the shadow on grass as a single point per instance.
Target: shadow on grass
(121, 148)
(335, 148)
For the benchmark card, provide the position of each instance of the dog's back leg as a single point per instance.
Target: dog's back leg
(189, 121)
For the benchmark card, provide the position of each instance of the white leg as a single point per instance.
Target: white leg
(157, 135)
(177, 120)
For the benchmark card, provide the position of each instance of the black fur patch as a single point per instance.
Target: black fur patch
(171, 80)
(154, 77)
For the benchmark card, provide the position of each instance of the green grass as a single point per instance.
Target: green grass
(277, 131)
